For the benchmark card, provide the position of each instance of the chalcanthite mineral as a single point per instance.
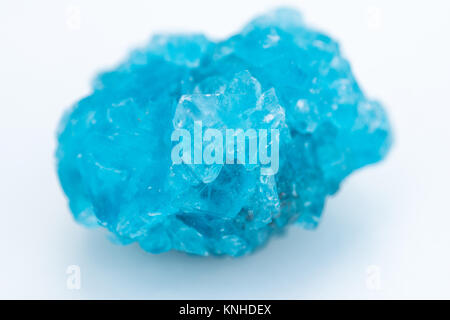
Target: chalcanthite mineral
(114, 146)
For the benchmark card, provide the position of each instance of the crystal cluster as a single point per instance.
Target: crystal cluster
(114, 146)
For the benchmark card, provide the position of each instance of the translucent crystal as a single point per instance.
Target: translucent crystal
(114, 146)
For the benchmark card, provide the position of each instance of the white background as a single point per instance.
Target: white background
(389, 222)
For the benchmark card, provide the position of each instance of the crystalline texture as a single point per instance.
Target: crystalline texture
(114, 148)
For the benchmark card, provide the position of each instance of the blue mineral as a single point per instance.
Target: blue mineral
(116, 147)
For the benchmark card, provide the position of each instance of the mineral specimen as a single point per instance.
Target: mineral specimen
(114, 147)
